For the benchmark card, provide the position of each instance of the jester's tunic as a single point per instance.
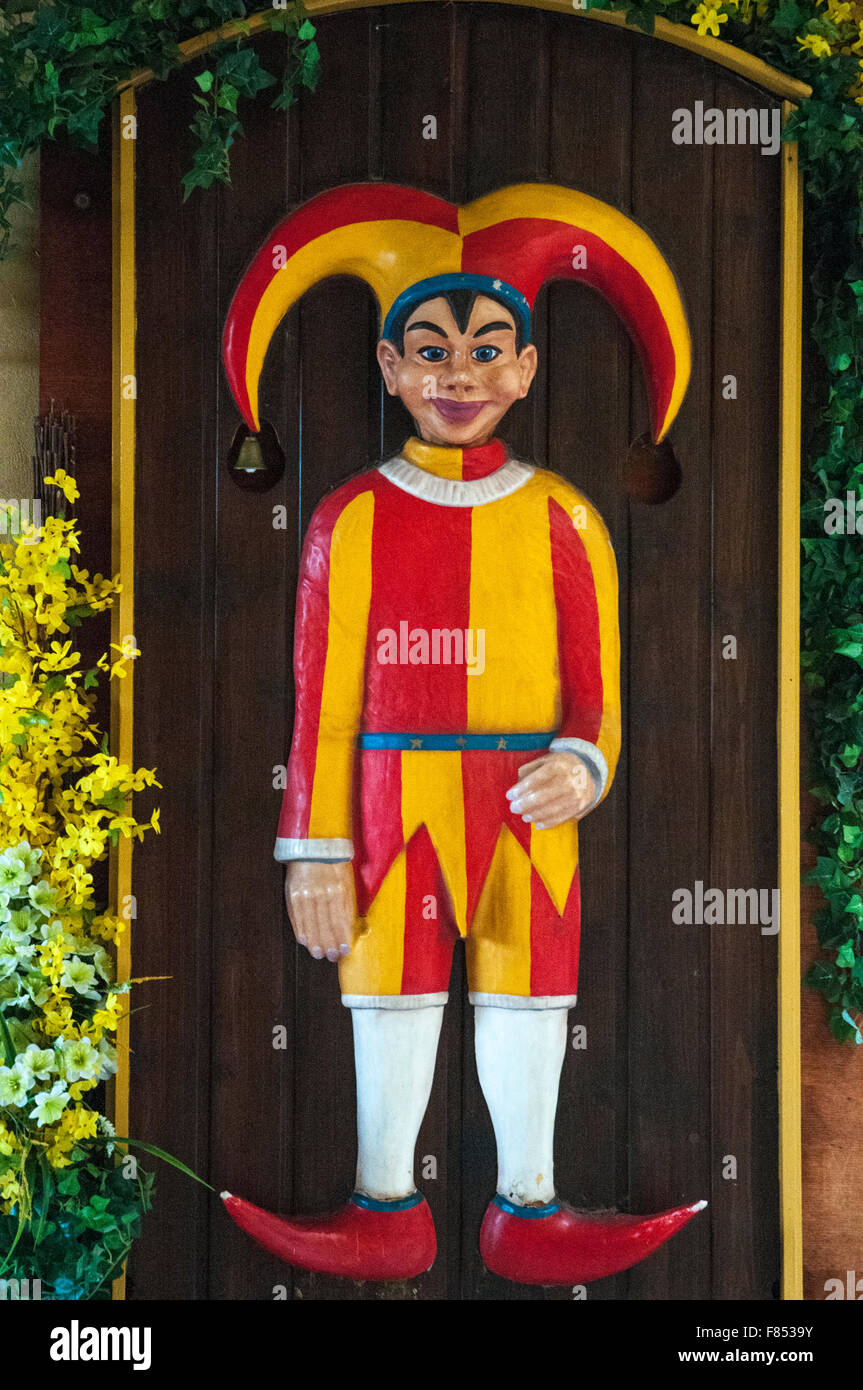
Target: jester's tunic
(456, 617)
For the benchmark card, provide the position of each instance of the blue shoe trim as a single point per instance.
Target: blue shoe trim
(532, 1213)
(360, 1199)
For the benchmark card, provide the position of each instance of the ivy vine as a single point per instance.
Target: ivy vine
(61, 62)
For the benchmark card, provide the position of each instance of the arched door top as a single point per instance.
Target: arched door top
(680, 35)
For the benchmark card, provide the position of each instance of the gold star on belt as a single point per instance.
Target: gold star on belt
(416, 743)
(462, 742)
(501, 743)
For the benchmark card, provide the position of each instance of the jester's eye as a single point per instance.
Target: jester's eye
(433, 353)
(486, 353)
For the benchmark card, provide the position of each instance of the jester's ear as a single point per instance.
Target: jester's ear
(389, 358)
(528, 361)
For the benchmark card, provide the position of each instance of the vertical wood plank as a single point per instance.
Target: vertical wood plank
(743, 755)
(256, 563)
(669, 748)
(337, 329)
(589, 364)
(173, 729)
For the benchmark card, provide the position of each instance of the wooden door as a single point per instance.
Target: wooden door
(678, 1076)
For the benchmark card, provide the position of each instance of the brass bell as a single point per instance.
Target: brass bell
(250, 458)
(255, 462)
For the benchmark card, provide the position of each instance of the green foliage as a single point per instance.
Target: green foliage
(61, 62)
(88, 1215)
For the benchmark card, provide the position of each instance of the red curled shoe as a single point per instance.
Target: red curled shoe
(365, 1239)
(555, 1244)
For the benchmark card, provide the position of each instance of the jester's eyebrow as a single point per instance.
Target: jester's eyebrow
(493, 327)
(429, 327)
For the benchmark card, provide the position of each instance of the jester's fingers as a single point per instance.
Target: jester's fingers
(552, 789)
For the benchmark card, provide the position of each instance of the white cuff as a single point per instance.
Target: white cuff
(394, 1001)
(521, 1001)
(330, 851)
(590, 755)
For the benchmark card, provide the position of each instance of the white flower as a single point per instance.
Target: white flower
(37, 987)
(38, 1061)
(55, 931)
(103, 964)
(50, 1104)
(13, 875)
(15, 1082)
(79, 1060)
(108, 1059)
(80, 976)
(43, 897)
(23, 919)
(15, 949)
(27, 858)
(107, 1130)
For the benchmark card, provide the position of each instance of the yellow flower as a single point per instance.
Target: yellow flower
(708, 19)
(8, 1141)
(10, 1189)
(66, 483)
(817, 44)
(63, 796)
(107, 1018)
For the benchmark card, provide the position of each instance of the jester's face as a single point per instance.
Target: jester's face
(458, 372)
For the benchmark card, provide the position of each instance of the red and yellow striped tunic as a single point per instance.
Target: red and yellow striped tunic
(448, 601)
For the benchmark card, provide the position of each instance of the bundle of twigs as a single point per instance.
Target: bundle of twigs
(55, 448)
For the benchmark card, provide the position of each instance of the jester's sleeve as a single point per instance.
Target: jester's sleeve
(585, 589)
(333, 598)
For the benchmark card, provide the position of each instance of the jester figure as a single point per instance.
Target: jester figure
(457, 703)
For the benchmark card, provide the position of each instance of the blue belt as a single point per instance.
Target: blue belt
(456, 743)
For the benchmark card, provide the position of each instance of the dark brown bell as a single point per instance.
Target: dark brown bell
(653, 474)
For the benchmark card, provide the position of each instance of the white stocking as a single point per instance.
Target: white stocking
(519, 1054)
(394, 1054)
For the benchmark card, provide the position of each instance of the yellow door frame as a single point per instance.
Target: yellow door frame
(788, 693)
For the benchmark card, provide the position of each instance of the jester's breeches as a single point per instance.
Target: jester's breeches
(439, 854)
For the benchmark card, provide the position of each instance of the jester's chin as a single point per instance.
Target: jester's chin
(458, 412)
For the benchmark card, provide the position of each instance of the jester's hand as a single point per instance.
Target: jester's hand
(552, 789)
(321, 904)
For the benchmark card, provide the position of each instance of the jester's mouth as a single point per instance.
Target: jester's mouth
(459, 412)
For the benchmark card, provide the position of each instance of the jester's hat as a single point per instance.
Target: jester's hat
(409, 246)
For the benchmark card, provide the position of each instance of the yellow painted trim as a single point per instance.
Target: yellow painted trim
(680, 35)
(790, 1134)
(122, 544)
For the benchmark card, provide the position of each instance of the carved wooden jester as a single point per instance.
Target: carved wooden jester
(458, 711)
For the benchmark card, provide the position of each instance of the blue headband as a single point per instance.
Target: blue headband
(439, 284)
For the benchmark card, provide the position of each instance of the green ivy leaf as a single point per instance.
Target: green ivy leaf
(846, 956)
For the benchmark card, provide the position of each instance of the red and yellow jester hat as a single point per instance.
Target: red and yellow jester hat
(410, 245)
